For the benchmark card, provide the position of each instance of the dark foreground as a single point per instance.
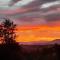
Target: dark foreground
(29, 52)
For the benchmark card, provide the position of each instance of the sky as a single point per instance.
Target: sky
(37, 20)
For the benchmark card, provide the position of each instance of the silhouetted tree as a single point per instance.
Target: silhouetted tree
(7, 33)
(9, 49)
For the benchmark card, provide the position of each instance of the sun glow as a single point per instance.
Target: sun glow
(37, 33)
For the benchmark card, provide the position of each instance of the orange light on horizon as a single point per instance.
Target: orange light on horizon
(37, 33)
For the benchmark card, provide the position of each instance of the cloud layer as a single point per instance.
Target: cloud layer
(31, 12)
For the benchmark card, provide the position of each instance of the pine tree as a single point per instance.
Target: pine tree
(7, 33)
(9, 48)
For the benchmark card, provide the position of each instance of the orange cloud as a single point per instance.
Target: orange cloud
(37, 33)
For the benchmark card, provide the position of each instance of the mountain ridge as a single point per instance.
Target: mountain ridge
(56, 41)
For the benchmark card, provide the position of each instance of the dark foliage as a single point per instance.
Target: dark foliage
(9, 48)
(7, 33)
(45, 52)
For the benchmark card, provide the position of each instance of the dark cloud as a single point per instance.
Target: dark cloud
(12, 2)
(31, 21)
(48, 0)
(53, 17)
(34, 14)
(38, 2)
(34, 6)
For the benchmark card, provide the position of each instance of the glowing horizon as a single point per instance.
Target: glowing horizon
(37, 33)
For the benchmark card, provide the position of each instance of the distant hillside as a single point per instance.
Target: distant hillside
(41, 43)
(56, 41)
(33, 43)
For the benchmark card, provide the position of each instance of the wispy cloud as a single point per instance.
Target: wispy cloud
(47, 5)
(31, 11)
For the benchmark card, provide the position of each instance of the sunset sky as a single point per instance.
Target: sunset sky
(37, 20)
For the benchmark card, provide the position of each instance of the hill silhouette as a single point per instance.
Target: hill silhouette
(56, 41)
